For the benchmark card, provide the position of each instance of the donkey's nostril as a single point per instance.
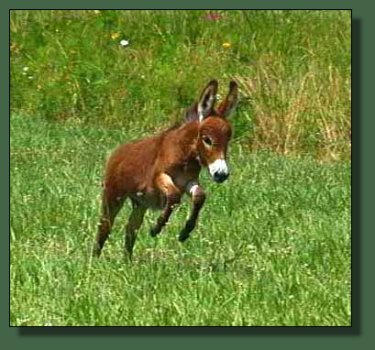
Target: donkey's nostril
(220, 176)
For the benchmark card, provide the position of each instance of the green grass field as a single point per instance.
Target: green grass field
(272, 246)
(273, 243)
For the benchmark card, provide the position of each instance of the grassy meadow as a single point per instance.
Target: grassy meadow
(272, 246)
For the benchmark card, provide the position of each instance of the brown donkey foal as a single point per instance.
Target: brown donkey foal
(155, 172)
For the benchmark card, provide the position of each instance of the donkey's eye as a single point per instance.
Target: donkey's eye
(207, 141)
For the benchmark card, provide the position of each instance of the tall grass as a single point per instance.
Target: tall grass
(293, 68)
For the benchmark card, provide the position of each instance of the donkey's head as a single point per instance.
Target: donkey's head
(214, 129)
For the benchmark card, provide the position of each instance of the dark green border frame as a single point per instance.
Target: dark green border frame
(359, 335)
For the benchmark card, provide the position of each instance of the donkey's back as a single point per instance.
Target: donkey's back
(130, 167)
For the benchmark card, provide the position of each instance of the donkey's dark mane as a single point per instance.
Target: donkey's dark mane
(175, 126)
(189, 115)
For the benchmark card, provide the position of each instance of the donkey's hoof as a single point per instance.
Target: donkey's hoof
(183, 237)
(154, 231)
(128, 257)
(96, 251)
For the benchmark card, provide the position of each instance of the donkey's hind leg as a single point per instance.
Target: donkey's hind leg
(110, 208)
(134, 223)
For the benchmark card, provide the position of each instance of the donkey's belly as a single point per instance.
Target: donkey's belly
(153, 200)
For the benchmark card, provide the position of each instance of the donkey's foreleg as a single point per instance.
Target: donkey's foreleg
(173, 197)
(198, 196)
(134, 223)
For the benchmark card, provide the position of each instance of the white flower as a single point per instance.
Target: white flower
(25, 69)
(124, 42)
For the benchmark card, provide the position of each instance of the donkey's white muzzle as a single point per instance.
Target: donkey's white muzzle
(219, 170)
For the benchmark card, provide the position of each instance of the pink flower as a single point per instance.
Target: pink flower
(212, 16)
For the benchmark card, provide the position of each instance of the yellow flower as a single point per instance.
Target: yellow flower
(115, 35)
(226, 45)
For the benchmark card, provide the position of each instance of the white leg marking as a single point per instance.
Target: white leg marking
(192, 187)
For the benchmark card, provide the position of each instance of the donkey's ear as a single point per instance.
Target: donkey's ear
(230, 102)
(207, 100)
(191, 113)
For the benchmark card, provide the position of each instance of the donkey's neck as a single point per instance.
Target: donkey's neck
(187, 138)
(190, 132)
